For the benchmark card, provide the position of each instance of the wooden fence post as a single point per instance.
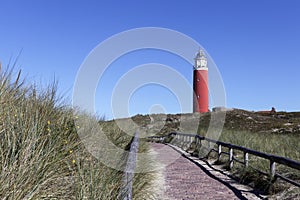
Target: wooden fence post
(246, 159)
(191, 141)
(219, 152)
(230, 158)
(272, 170)
(196, 143)
(177, 139)
(180, 140)
(187, 142)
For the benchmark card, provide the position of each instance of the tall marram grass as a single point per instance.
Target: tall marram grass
(41, 155)
(34, 136)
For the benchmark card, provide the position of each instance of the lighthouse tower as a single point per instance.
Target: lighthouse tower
(200, 83)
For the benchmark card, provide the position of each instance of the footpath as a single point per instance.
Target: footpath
(188, 178)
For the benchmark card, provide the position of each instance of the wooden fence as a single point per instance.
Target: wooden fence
(126, 191)
(185, 140)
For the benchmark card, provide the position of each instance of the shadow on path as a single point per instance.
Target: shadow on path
(228, 184)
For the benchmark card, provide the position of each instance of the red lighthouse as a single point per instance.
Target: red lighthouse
(200, 83)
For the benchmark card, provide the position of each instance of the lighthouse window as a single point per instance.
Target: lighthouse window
(198, 96)
(198, 79)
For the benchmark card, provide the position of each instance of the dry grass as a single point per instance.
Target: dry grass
(285, 145)
(41, 154)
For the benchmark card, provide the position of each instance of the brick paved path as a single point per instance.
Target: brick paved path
(185, 180)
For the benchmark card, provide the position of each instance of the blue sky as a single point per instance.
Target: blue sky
(255, 44)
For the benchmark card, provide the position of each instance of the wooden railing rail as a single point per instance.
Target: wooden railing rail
(186, 139)
(126, 191)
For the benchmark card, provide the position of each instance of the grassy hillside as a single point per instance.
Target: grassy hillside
(235, 120)
(41, 154)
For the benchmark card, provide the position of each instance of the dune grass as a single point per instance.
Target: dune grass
(41, 154)
(285, 145)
